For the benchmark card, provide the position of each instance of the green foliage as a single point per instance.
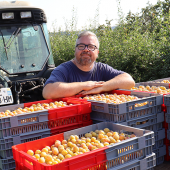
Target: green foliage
(139, 45)
(63, 45)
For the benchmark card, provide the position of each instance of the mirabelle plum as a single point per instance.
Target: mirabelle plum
(45, 150)
(88, 143)
(37, 151)
(54, 163)
(73, 140)
(64, 152)
(106, 130)
(43, 154)
(82, 144)
(37, 156)
(93, 139)
(109, 134)
(70, 152)
(100, 145)
(100, 136)
(76, 137)
(106, 144)
(60, 156)
(94, 134)
(88, 140)
(60, 148)
(112, 140)
(121, 137)
(116, 137)
(57, 143)
(64, 142)
(65, 146)
(101, 132)
(48, 148)
(55, 151)
(69, 144)
(78, 141)
(93, 148)
(49, 162)
(88, 135)
(58, 160)
(83, 141)
(132, 135)
(30, 152)
(72, 137)
(41, 160)
(97, 131)
(48, 158)
(68, 156)
(83, 138)
(75, 154)
(114, 133)
(90, 147)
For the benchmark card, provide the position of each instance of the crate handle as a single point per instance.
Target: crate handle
(29, 158)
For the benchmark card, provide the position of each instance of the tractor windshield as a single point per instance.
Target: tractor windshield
(23, 48)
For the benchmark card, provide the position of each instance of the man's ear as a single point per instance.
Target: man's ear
(97, 53)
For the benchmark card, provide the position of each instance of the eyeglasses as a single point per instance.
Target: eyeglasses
(89, 47)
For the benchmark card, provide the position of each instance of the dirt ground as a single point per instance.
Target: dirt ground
(164, 166)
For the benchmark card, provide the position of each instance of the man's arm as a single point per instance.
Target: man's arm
(122, 81)
(60, 89)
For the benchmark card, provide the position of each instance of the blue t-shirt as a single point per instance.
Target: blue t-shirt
(68, 72)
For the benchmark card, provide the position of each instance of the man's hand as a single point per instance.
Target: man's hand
(96, 90)
(89, 85)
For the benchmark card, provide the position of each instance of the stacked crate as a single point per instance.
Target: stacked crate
(167, 126)
(165, 83)
(150, 116)
(20, 129)
(133, 153)
(35, 125)
(62, 119)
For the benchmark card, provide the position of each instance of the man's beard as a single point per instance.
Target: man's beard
(85, 61)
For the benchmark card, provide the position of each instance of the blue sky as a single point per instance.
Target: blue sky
(60, 12)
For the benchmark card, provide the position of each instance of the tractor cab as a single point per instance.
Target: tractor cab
(26, 60)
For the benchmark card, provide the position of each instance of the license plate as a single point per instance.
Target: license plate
(5, 96)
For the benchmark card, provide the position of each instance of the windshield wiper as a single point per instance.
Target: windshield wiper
(4, 43)
(16, 32)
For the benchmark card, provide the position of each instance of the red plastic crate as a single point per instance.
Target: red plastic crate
(61, 129)
(142, 146)
(166, 141)
(80, 106)
(101, 166)
(165, 124)
(66, 118)
(85, 161)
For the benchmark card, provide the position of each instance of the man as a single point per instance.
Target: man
(83, 75)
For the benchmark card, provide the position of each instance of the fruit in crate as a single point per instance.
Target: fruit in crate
(163, 81)
(114, 98)
(34, 107)
(156, 89)
(65, 149)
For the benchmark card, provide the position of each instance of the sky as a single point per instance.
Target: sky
(60, 12)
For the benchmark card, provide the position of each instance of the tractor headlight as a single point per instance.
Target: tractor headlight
(9, 15)
(26, 14)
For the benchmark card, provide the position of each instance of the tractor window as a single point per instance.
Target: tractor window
(22, 48)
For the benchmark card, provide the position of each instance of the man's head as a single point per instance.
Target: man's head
(87, 48)
(88, 33)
